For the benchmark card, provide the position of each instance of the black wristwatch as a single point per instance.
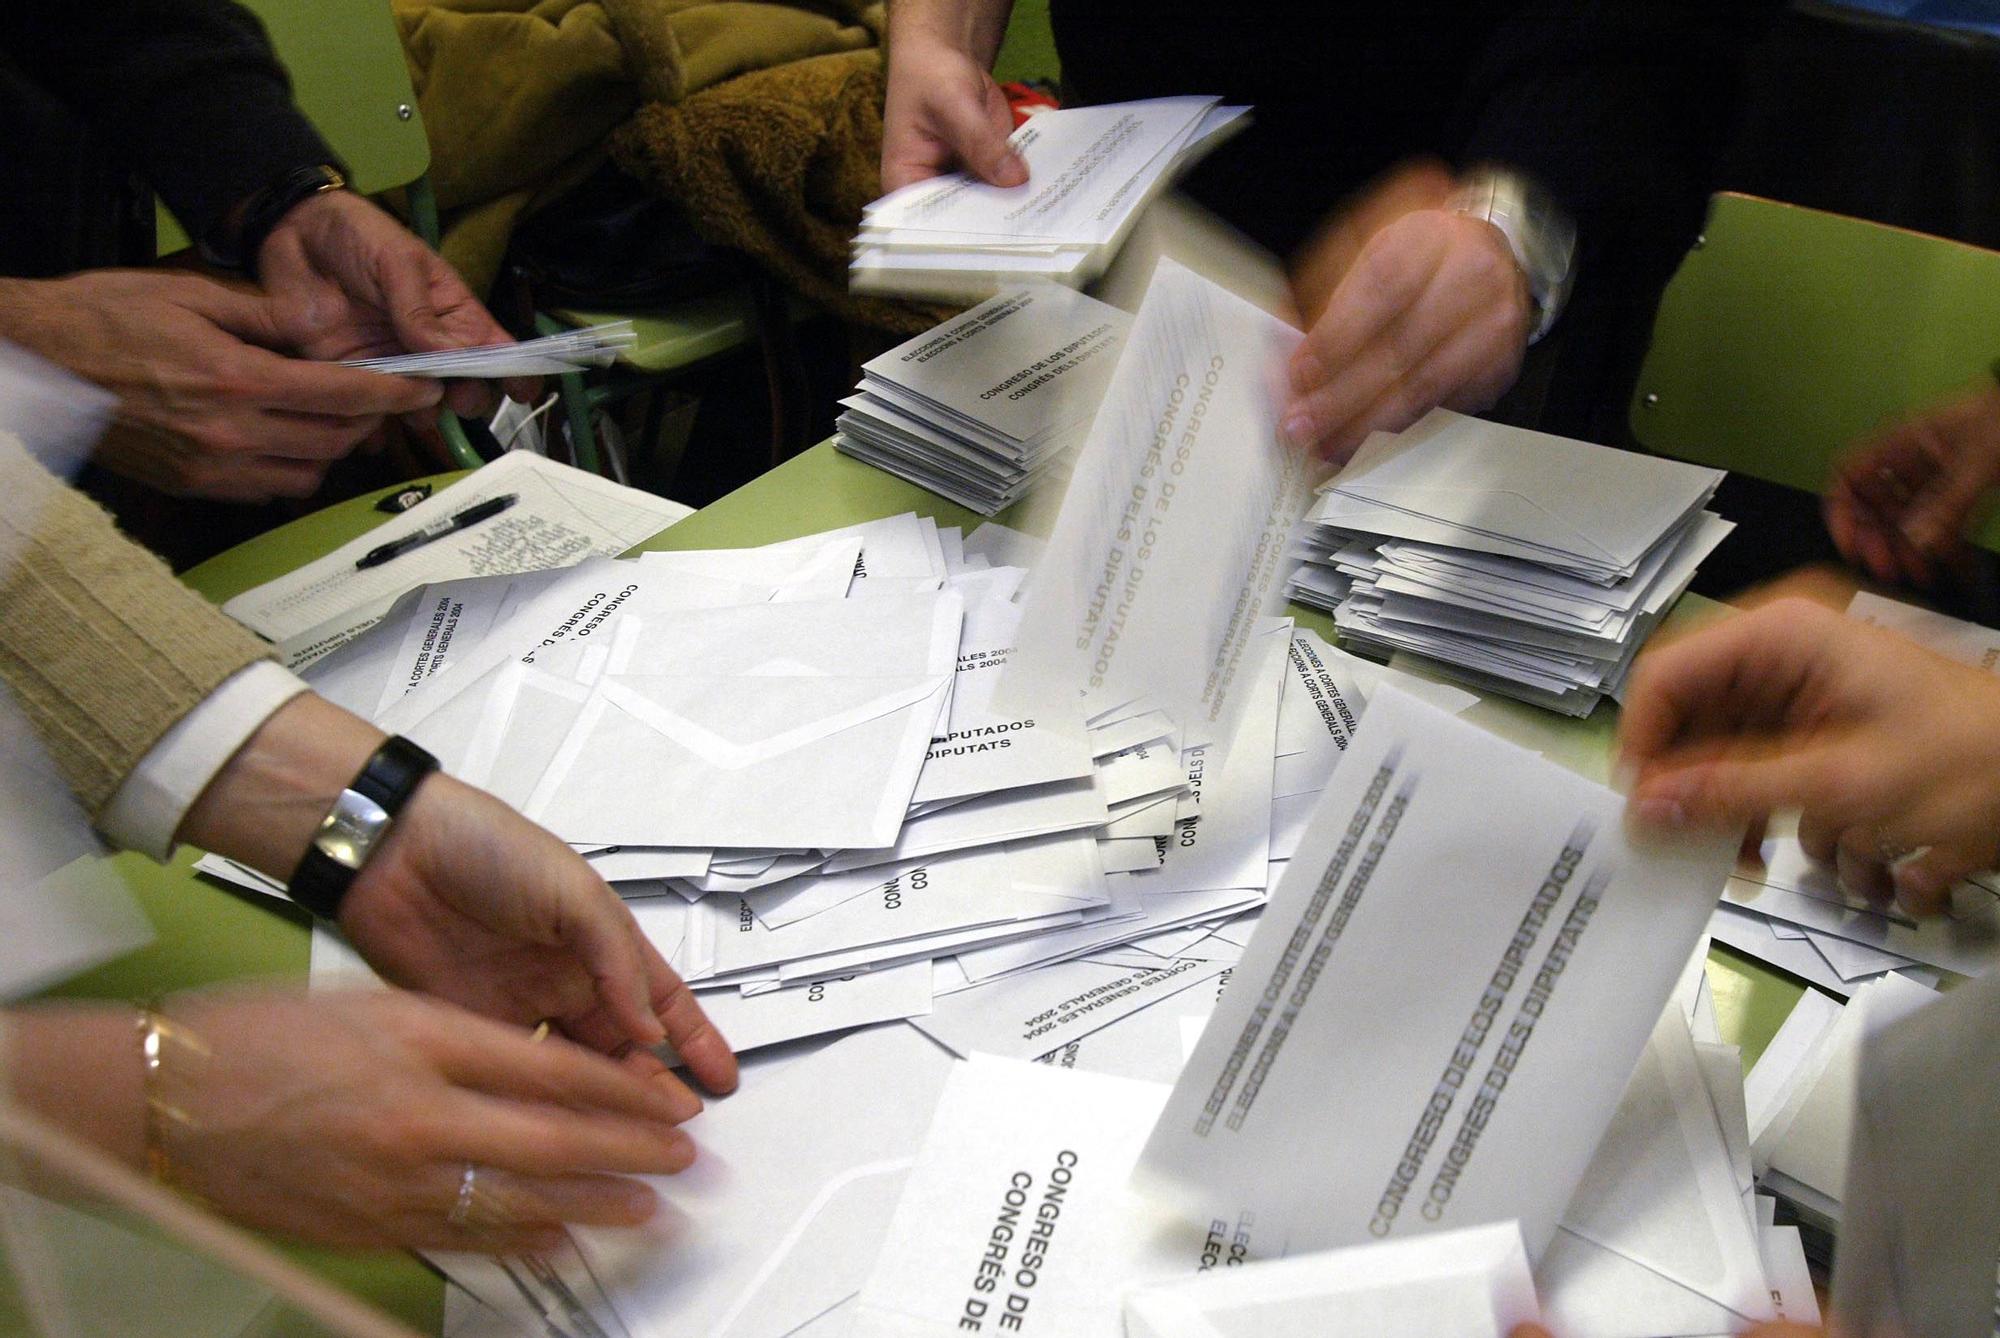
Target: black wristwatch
(237, 247)
(355, 826)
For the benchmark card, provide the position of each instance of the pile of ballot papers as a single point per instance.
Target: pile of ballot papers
(551, 355)
(1522, 563)
(1617, 1157)
(980, 409)
(1090, 171)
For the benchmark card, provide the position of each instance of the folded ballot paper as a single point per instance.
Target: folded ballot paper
(1469, 995)
(1170, 542)
(551, 355)
(1090, 171)
(1521, 563)
(980, 409)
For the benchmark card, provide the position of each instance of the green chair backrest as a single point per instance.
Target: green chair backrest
(348, 75)
(1788, 334)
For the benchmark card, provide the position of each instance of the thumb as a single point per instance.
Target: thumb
(976, 129)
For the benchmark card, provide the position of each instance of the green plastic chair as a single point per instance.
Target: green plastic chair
(348, 75)
(1788, 334)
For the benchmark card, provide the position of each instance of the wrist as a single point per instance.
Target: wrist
(1539, 235)
(238, 240)
(266, 804)
(972, 31)
(78, 1067)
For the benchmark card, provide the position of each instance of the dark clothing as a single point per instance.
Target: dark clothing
(1617, 106)
(184, 93)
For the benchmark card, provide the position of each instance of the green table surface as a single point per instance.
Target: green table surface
(207, 935)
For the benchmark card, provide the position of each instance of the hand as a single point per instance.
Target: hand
(349, 1119)
(1885, 747)
(205, 406)
(1898, 505)
(352, 282)
(942, 112)
(1409, 305)
(465, 899)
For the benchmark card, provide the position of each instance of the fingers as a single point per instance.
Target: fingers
(1737, 672)
(513, 1214)
(605, 937)
(499, 1059)
(1923, 882)
(975, 129)
(550, 1140)
(1721, 786)
(694, 1038)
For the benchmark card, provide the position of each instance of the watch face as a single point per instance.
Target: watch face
(351, 830)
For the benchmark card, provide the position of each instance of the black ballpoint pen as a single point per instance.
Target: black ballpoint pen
(465, 519)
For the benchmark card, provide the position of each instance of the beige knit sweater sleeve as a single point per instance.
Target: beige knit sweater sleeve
(101, 647)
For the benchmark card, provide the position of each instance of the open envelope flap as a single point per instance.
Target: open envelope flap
(1661, 1190)
(1530, 486)
(913, 632)
(694, 712)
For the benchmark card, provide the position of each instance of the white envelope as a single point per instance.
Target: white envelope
(779, 1219)
(815, 1007)
(1469, 935)
(773, 762)
(1030, 1014)
(1661, 1190)
(1469, 483)
(1472, 1283)
(972, 1239)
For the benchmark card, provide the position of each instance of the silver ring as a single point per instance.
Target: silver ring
(467, 1188)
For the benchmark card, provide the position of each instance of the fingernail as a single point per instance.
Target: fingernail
(1297, 430)
(682, 1103)
(1657, 812)
(680, 1153)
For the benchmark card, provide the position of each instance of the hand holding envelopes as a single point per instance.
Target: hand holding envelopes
(1460, 968)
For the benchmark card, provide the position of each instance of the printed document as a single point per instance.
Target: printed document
(563, 516)
(1171, 542)
(1437, 1015)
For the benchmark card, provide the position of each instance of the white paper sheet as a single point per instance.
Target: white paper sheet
(1468, 934)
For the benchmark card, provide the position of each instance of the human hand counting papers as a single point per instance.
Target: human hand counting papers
(1468, 937)
(979, 409)
(1519, 562)
(1090, 171)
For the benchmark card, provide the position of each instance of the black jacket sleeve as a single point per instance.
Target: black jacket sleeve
(187, 90)
(1619, 107)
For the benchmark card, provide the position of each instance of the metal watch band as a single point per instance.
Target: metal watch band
(263, 212)
(354, 827)
(1538, 232)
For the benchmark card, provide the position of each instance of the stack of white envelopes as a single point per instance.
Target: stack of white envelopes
(551, 355)
(1522, 563)
(981, 408)
(1090, 171)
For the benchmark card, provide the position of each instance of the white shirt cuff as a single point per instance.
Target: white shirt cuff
(148, 807)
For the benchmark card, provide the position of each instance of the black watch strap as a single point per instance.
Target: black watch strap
(263, 211)
(357, 823)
